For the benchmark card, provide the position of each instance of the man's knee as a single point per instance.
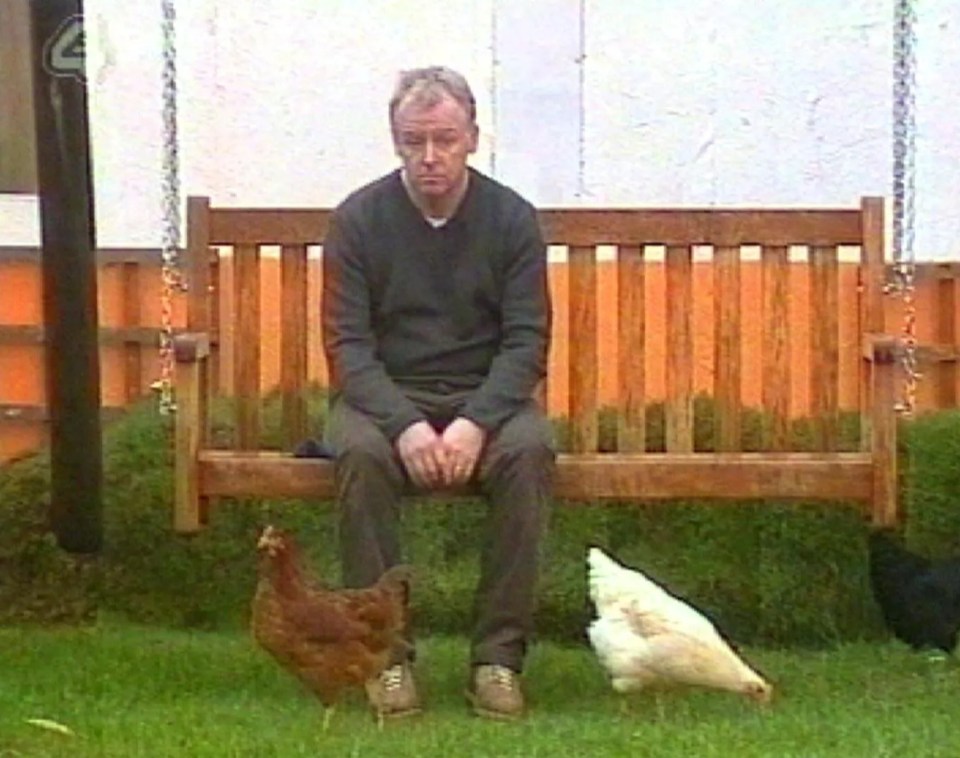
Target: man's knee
(523, 446)
(365, 451)
(528, 435)
(531, 455)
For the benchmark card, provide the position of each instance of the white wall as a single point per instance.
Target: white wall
(283, 102)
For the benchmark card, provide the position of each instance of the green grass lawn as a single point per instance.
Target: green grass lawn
(135, 691)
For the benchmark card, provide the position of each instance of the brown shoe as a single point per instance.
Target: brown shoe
(393, 694)
(494, 693)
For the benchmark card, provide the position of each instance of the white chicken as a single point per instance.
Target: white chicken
(644, 636)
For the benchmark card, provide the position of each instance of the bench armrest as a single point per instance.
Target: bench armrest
(880, 348)
(191, 347)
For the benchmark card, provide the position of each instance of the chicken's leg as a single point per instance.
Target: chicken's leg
(327, 715)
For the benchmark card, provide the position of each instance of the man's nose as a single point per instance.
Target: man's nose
(429, 152)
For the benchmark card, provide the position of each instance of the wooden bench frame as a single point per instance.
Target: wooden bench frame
(868, 476)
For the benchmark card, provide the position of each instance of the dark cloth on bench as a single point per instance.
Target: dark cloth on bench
(312, 448)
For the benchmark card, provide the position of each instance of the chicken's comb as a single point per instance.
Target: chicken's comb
(268, 536)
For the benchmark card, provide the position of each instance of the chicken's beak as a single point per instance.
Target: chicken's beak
(268, 538)
(761, 693)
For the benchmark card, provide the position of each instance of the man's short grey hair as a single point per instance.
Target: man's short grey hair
(426, 86)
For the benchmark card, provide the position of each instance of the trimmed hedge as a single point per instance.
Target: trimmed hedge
(768, 573)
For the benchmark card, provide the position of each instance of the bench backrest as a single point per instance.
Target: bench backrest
(650, 304)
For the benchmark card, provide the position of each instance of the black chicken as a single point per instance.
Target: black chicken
(919, 597)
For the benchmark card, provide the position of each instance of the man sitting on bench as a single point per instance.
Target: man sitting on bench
(436, 325)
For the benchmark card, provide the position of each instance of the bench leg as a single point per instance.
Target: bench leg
(189, 512)
(883, 432)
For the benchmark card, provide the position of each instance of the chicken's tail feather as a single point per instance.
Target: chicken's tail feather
(890, 562)
(606, 577)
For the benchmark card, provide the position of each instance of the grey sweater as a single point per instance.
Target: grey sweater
(463, 308)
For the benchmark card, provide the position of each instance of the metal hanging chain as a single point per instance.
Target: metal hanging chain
(172, 280)
(904, 186)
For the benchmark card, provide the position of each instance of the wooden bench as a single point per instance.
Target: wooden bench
(653, 247)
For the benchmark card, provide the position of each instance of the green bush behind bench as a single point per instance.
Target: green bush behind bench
(768, 573)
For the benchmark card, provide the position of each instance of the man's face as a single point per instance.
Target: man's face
(434, 142)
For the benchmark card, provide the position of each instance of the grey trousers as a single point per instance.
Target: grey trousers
(514, 474)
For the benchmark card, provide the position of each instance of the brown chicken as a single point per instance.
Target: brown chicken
(331, 640)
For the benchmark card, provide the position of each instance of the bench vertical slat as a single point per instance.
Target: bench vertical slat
(132, 316)
(727, 348)
(293, 342)
(316, 362)
(946, 334)
(777, 376)
(246, 359)
(582, 364)
(631, 350)
(557, 387)
(679, 349)
(541, 393)
(872, 321)
(226, 323)
(880, 369)
(824, 345)
(214, 376)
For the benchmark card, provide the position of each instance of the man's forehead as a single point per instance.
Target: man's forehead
(444, 113)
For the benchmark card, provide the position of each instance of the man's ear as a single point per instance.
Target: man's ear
(474, 138)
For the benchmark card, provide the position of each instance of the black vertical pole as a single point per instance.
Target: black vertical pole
(69, 274)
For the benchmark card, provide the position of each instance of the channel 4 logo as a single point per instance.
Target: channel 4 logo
(64, 51)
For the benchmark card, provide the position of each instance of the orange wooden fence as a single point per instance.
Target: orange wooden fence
(130, 308)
